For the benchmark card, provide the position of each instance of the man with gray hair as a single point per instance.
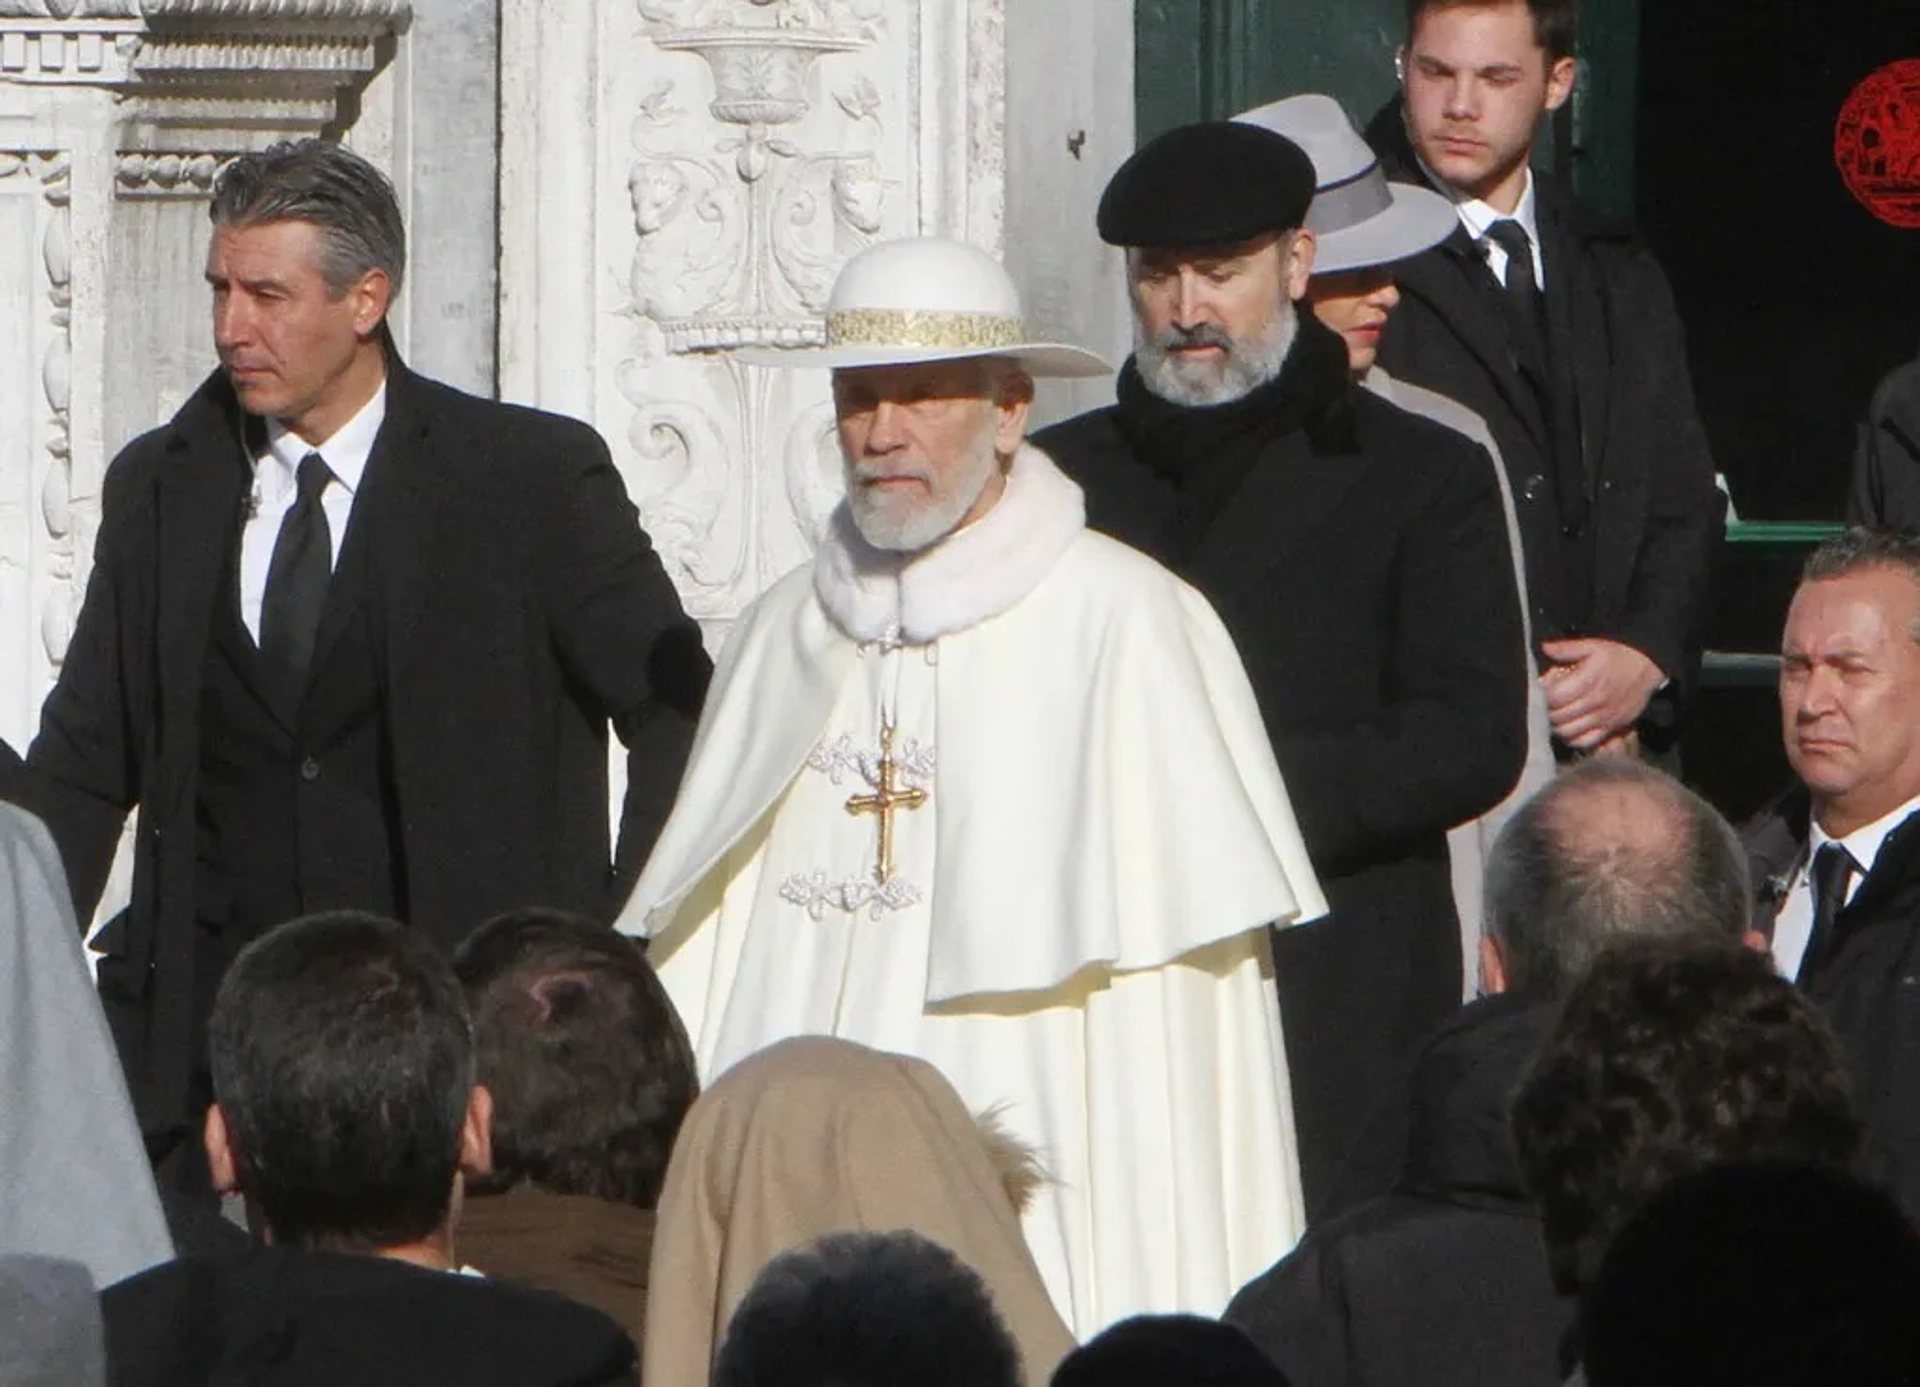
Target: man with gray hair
(352, 639)
(1445, 1281)
(1837, 861)
(1358, 556)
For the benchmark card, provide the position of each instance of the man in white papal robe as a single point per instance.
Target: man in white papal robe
(985, 787)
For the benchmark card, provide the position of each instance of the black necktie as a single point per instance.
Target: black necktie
(1831, 870)
(297, 579)
(1512, 238)
(1524, 304)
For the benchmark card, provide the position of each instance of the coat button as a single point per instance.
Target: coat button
(309, 769)
(1533, 486)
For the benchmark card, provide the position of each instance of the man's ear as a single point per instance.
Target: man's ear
(1493, 966)
(1756, 941)
(220, 1158)
(1296, 265)
(372, 295)
(1560, 81)
(1010, 410)
(476, 1133)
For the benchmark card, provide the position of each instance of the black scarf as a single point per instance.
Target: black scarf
(1205, 451)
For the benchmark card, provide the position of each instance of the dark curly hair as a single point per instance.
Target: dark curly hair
(867, 1310)
(1669, 1055)
(588, 1063)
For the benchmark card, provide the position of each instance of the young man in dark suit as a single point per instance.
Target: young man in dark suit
(1561, 332)
(1357, 555)
(352, 639)
(347, 1116)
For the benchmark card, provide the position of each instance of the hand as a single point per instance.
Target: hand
(1619, 744)
(1596, 690)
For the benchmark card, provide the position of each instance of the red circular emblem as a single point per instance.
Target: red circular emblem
(1876, 144)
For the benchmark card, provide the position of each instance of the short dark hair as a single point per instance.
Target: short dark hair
(1556, 23)
(342, 1060)
(1559, 890)
(1670, 1054)
(351, 202)
(588, 1063)
(867, 1310)
(1153, 1350)
(1758, 1275)
(1861, 548)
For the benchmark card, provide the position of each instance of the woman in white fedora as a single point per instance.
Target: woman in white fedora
(983, 787)
(1365, 226)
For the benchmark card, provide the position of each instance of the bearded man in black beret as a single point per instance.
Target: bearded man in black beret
(1358, 556)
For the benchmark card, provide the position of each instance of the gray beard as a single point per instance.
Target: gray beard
(1246, 367)
(887, 524)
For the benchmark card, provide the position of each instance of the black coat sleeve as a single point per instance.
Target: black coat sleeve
(625, 638)
(1666, 606)
(1885, 485)
(1449, 738)
(83, 771)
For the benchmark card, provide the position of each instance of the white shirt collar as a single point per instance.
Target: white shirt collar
(1477, 215)
(346, 451)
(1863, 844)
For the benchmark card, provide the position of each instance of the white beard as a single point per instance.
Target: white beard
(1246, 366)
(907, 524)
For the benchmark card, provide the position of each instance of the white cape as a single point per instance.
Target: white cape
(1107, 840)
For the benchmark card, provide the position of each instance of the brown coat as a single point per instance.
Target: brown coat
(590, 1250)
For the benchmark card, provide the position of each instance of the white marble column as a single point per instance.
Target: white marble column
(115, 116)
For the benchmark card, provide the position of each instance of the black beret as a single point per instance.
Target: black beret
(1209, 184)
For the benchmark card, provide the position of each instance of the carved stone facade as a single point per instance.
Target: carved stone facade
(675, 179)
(115, 115)
(716, 174)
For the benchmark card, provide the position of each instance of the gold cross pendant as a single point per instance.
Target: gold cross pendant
(886, 799)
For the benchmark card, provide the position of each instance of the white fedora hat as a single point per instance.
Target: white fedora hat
(1359, 217)
(927, 299)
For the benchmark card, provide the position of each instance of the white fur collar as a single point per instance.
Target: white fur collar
(973, 574)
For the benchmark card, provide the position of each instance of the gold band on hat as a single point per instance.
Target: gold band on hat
(885, 327)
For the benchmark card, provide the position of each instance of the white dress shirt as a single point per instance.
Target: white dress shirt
(346, 454)
(1793, 926)
(1477, 216)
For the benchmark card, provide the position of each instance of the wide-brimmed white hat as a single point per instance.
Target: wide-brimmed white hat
(927, 299)
(1359, 217)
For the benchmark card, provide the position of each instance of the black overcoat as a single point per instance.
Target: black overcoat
(1368, 586)
(521, 609)
(1867, 981)
(1626, 405)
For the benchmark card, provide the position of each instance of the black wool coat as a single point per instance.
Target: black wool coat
(521, 609)
(1626, 405)
(1885, 487)
(1366, 579)
(1444, 1281)
(287, 1317)
(1867, 981)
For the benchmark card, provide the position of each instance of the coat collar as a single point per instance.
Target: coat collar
(974, 574)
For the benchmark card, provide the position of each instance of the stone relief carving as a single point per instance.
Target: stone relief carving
(139, 173)
(47, 175)
(738, 232)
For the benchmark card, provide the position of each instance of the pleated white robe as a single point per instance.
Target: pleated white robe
(1074, 931)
